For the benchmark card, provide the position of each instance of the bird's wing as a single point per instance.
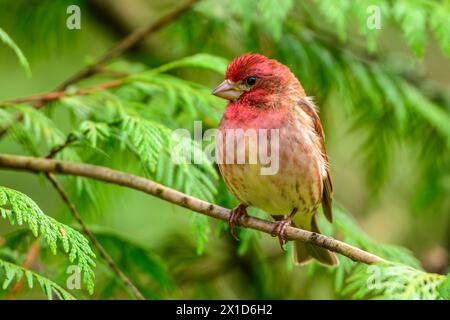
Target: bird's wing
(309, 108)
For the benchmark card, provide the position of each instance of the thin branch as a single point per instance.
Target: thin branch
(101, 250)
(39, 100)
(138, 183)
(59, 148)
(128, 42)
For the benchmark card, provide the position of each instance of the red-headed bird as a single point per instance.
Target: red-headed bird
(265, 94)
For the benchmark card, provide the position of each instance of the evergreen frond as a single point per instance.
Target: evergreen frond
(18, 209)
(146, 138)
(6, 118)
(401, 278)
(395, 282)
(439, 25)
(354, 280)
(411, 17)
(264, 14)
(444, 288)
(37, 132)
(412, 21)
(94, 131)
(175, 94)
(13, 272)
(200, 60)
(197, 179)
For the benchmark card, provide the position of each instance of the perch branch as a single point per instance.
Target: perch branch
(101, 250)
(141, 184)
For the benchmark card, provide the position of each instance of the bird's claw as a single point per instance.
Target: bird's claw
(280, 231)
(236, 214)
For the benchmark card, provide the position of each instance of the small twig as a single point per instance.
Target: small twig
(101, 250)
(39, 100)
(57, 149)
(128, 42)
(138, 183)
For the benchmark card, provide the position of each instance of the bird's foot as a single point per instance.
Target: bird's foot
(280, 231)
(236, 214)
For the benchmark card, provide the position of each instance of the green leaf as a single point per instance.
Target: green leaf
(10, 43)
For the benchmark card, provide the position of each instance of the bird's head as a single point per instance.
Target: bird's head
(258, 81)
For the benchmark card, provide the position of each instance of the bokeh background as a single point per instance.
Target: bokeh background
(384, 101)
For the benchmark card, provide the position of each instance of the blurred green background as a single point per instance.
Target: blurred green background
(393, 177)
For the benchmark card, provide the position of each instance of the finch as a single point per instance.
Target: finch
(265, 94)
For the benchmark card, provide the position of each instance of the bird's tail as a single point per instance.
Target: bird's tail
(305, 252)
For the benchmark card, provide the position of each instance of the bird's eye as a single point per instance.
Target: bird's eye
(251, 80)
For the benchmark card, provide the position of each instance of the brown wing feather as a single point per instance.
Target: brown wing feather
(327, 196)
(308, 107)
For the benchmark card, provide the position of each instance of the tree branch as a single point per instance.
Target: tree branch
(101, 250)
(141, 184)
(39, 100)
(128, 42)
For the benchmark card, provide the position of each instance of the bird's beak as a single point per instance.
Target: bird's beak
(227, 90)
